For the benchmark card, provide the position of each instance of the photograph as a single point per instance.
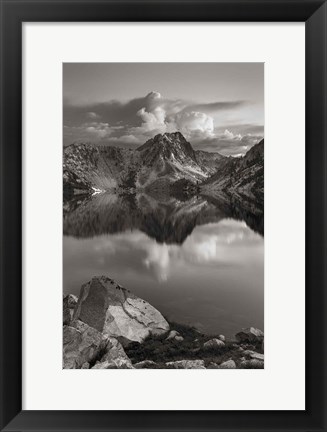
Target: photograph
(163, 215)
(139, 213)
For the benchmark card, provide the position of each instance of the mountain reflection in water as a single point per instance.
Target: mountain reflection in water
(198, 261)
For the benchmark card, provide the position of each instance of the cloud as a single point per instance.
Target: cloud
(153, 120)
(231, 136)
(216, 106)
(131, 123)
(100, 130)
(88, 131)
(161, 115)
(243, 128)
(125, 140)
(92, 115)
(194, 122)
(228, 143)
(153, 96)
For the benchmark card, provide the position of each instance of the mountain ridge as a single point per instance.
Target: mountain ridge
(159, 163)
(244, 175)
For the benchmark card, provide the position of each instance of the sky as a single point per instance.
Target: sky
(218, 107)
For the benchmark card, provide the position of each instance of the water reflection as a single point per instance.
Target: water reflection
(199, 262)
(167, 220)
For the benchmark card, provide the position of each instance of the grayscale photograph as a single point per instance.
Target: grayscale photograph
(163, 216)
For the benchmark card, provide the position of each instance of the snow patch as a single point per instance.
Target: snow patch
(96, 191)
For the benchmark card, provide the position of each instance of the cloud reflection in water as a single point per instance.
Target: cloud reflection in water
(214, 279)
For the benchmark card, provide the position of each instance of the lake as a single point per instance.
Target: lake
(199, 261)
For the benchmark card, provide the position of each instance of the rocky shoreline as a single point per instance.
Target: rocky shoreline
(108, 327)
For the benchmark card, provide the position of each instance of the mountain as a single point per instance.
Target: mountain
(88, 167)
(164, 163)
(209, 161)
(156, 165)
(167, 158)
(244, 175)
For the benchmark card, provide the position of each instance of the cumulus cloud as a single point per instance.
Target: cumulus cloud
(125, 139)
(153, 120)
(89, 131)
(100, 130)
(153, 96)
(133, 122)
(195, 122)
(230, 135)
(92, 115)
(159, 116)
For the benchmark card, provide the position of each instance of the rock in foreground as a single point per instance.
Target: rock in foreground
(187, 364)
(253, 355)
(114, 358)
(229, 364)
(250, 334)
(175, 336)
(81, 344)
(114, 311)
(110, 328)
(69, 303)
(145, 364)
(214, 344)
(252, 364)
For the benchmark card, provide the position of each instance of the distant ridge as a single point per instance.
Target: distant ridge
(243, 175)
(156, 165)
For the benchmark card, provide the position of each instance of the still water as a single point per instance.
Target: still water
(199, 261)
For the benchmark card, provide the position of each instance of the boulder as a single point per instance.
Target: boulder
(114, 356)
(173, 334)
(213, 344)
(253, 355)
(250, 334)
(222, 338)
(212, 365)
(119, 364)
(145, 364)
(85, 365)
(186, 364)
(229, 364)
(252, 364)
(116, 312)
(84, 345)
(81, 344)
(69, 303)
(70, 300)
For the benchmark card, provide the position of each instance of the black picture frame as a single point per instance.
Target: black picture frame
(16, 12)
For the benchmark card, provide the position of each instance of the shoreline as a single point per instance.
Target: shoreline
(108, 327)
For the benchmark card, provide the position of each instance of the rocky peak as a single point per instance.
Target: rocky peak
(255, 153)
(77, 149)
(242, 174)
(161, 161)
(169, 146)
